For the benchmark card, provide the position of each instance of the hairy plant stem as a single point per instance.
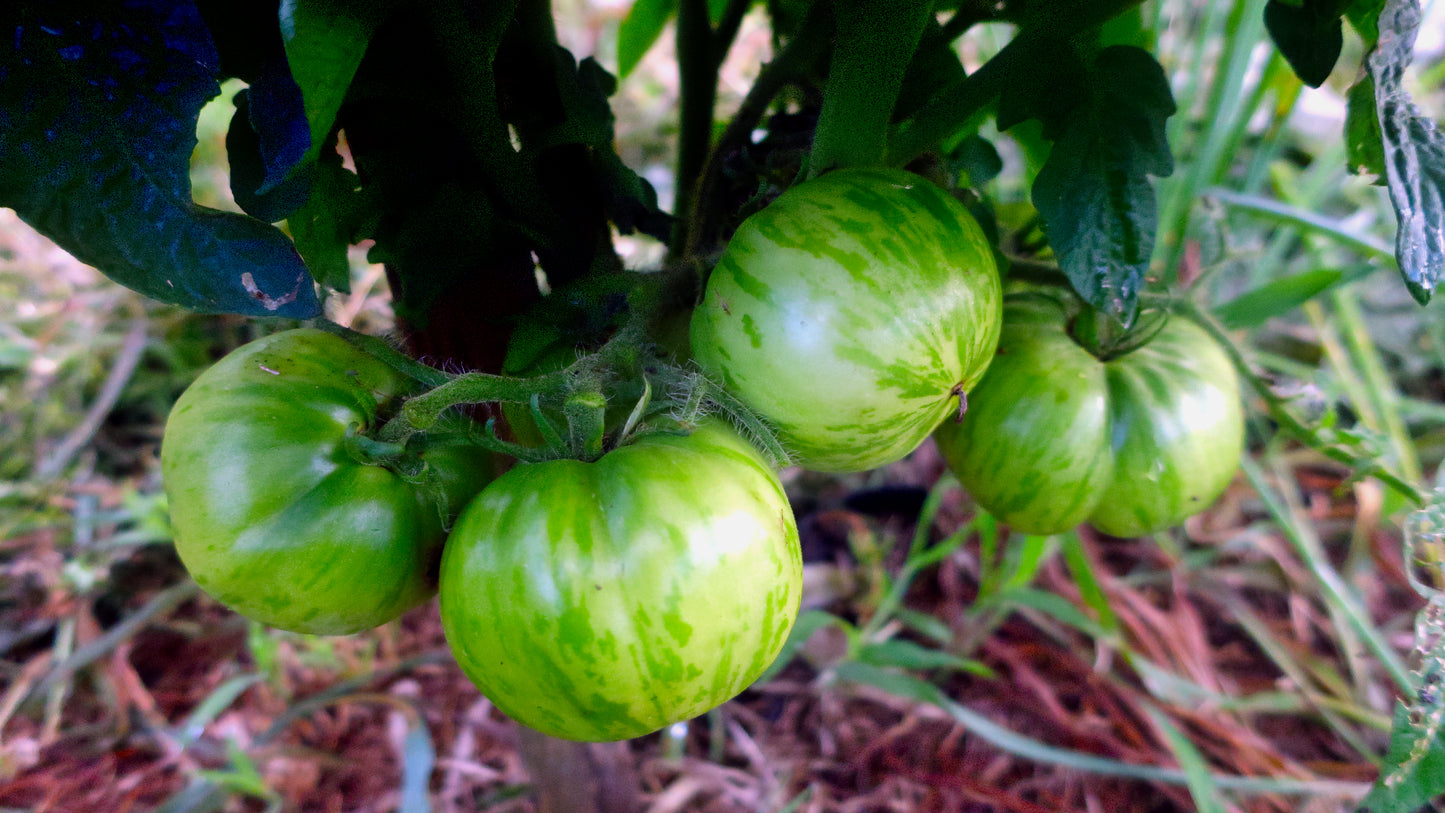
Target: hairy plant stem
(424, 374)
(700, 54)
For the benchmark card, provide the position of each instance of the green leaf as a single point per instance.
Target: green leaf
(1050, 604)
(209, 709)
(1094, 193)
(639, 30)
(909, 655)
(1363, 144)
(897, 684)
(1364, 17)
(95, 158)
(1414, 152)
(1254, 307)
(325, 41)
(935, 66)
(263, 182)
(1202, 787)
(331, 220)
(1309, 34)
(1414, 771)
(809, 622)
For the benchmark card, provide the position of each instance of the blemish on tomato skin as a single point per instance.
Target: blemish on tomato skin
(264, 368)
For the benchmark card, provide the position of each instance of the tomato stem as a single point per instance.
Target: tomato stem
(385, 352)
(586, 424)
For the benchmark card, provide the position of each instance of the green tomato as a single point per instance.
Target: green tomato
(852, 313)
(273, 513)
(1054, 437)
(602, 601)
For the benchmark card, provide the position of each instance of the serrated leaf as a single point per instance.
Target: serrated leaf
(329, 222)
(1414, 770)
(1094, 193)
(1254, 307)
(1049, 91)
(1364, 151)
(1310, 35)
(1414, 151)
(325, 41)
(640, 30)
(935, 66)
(97, 124)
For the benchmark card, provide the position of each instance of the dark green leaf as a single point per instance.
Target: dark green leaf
(935, 66)
(332, 219)
(278, 117)
(1414, 771)
(1309, 34)
(1366, 153)
(975, 161)
(1414, 152)
(258, 184)
(97, 124)
(639, 30)
(1094, 193)
(1253, 308)
(1049, 91)
(325, 41)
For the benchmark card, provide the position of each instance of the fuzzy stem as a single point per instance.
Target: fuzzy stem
(392, 357)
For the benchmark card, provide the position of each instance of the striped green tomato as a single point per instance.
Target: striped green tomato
(276, 517)
(603, 601)
(1054, 437)
(852, 313)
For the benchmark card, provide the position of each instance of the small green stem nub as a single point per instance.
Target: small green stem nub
(586, 423)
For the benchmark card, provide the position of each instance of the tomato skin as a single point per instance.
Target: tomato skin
(274, 517)
(851, 312)
(1054, 437)
(603, 601)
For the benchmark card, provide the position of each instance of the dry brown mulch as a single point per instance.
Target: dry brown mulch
(112, 740)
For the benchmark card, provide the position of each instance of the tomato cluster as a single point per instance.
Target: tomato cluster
(604, 598)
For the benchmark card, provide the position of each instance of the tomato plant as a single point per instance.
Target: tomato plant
(601, 601)
(278, 514)
(1054, 436)
(852, 312)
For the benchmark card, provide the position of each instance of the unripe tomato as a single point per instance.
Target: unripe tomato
(603, 601)
(273, 513)
(852, 313)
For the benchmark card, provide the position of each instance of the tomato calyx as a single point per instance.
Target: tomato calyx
(1106, 339)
